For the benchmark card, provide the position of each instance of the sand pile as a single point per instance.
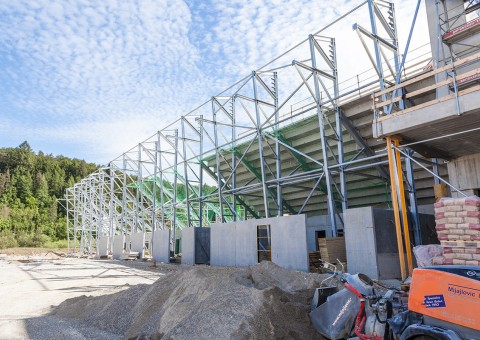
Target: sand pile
(263, 301)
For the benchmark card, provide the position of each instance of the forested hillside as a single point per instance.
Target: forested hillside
(30, 184)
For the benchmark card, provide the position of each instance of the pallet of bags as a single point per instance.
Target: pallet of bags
(458, 219)
(459, 253)
(458, 229)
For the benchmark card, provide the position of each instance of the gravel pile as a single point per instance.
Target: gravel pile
(200, 302)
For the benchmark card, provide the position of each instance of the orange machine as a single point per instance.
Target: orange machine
(447, 293)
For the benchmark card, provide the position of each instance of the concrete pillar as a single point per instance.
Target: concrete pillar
(441, 52)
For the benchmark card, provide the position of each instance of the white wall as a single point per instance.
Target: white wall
(102, 245)
(188, 246)
(137, 241)
(235, 243)
(289, 242)
(360, 242)
(161, 245)
(118, 246)
(222, 244)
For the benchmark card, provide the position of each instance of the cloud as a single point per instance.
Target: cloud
(91, 79)
(116, 65)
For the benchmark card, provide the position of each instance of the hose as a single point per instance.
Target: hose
(361, 317)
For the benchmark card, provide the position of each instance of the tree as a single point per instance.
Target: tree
(29, 187)
(41, 189)
(25, 146)
(4, 181)
(23, 183)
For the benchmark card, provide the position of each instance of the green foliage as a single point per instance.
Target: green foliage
(59, 244)
(7, 240)
(29, 187)
(35, 239)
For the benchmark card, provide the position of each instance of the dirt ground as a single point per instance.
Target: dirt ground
(32, 251)
(45, 295)
(31, 285)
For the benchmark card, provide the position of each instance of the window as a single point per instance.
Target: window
(264, 249)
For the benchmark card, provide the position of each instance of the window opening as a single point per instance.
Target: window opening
(264, 249)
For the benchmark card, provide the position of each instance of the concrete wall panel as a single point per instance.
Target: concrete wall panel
(246, 243)
(360, 241)
(118, 246)
(289, 242)
(188, 246)
(102, 247)
(222, 244)
(235, 243)
(161, 245)
(137, 241)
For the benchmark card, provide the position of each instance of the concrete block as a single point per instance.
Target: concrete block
(188, 246)
(289, 242)
(118, 242)
(222, 244)
(102, 245)
(161, 245)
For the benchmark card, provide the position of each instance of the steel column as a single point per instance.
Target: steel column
(260, 147)
(321, 114)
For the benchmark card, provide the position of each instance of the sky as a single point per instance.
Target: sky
(90, 79)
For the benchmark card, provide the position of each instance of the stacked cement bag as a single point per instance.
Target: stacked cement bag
(458, 229)
(424, 254)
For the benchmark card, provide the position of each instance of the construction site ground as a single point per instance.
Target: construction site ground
(45, 295)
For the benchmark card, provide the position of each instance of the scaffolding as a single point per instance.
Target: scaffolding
(288, 138)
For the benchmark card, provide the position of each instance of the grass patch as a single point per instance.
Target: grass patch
(59, 244)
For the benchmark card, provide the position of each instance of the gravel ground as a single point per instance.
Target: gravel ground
(54, 328)
(31, 285)
(69, 298)
(202, 302)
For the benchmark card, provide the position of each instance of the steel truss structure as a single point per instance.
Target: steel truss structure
(282, 140)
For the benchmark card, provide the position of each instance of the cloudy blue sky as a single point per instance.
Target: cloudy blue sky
(89, 79)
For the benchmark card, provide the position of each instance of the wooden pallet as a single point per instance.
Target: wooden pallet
(315, 262)
(332, 249)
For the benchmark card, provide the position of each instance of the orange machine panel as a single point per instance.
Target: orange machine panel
(446, 296)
